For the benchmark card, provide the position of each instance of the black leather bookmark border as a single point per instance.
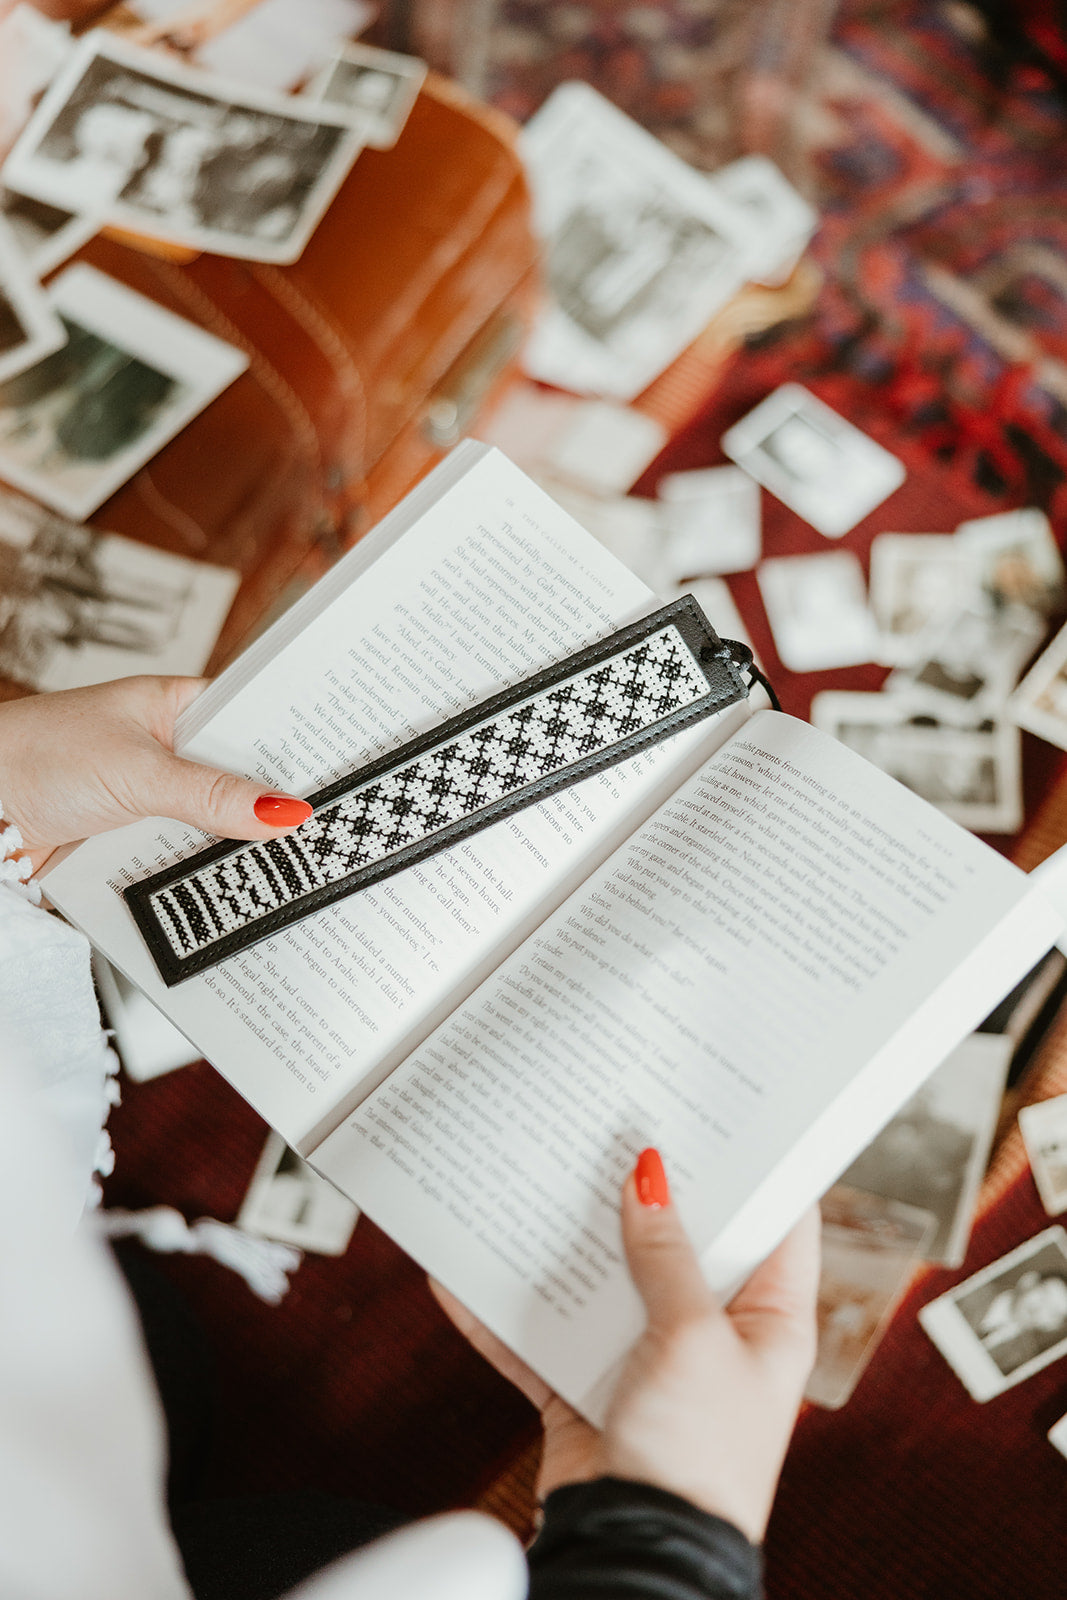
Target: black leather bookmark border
(588, 712)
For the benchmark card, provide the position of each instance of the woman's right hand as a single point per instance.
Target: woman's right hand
(707, 1399)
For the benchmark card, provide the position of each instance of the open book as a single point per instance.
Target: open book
(745, 946)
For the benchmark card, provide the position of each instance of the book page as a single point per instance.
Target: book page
(492, 582)
(791, 929)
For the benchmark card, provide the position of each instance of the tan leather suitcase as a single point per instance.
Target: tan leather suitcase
(368, 357)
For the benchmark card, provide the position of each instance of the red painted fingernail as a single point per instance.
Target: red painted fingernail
(651, 1180)
(281, 810)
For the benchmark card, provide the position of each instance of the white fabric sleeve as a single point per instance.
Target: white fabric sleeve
(82, 1453)
(461, 1556)
(81, 1435)
(50, 1020)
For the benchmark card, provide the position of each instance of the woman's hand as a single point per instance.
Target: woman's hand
(707, 1399)
(86, 760)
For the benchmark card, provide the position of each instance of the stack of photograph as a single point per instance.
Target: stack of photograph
(958, 618)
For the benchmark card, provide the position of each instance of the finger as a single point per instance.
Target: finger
(219, 802)
(662, 1262)
(182, 692)
(777, 1304)
(487, 1344)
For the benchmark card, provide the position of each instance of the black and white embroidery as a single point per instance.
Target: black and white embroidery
(428, 800)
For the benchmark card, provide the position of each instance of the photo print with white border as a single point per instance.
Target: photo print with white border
(1008, 1321)
(817, 608)
(182, 156)
(870, 1249)
(916, 579)
(375, 88)
(32, 50)
(45, 235)
(288, 1201)
(816, 463)
(29, 327)
(933, 1154)
(967, 665)
(605, 447)
(1016, 557)
(784, 219)
(640, 249)
(713, 521)
(274, 44)
(156, 371)
(1044, 1130)
(80, 606)
(1039, 704)
(973, 775)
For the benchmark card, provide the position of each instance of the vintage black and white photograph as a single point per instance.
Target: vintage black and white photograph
(45, 235)
(818, 612)
(641, 249)
(973, 775)
(274, 44)
(1039, 704)
(967, 665)
(605, 447)
(1044, 1130)
(29, 328)
(76, 425)
(33, 47)
(819, 465)
(870, 1249)
(1016, 557)
(288, 1201)
(916, 579)
(784, 219)
(183, 156)
(612, 262)
(377, 87)
(1006, 1322)
(934, 1153)
(712, 519)
(79, 606)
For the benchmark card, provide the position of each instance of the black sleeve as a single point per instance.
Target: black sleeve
(629, 1541)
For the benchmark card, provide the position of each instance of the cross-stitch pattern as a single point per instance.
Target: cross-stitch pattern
(429, 794)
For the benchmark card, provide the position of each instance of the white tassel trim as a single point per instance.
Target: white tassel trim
(262, 1263)
(104, 1156)
(16, 869)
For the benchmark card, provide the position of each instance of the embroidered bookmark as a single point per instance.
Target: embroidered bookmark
(588, 712)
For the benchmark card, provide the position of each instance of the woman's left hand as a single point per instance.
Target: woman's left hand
(84, 761)
(705, 1403)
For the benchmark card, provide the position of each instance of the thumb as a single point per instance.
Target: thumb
(219, 802)
(775, 1310)
(662, 1262)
